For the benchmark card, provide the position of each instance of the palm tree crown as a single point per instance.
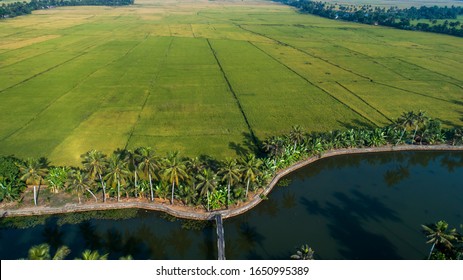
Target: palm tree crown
(174, 171)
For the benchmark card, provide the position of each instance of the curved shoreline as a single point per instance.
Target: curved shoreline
(187, 213)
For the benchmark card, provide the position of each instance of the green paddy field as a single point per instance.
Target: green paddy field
(201, 76)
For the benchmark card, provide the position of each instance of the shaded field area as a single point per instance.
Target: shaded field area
(203, 77)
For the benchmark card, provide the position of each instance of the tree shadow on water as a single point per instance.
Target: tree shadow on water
(347, 217)
(52, 233)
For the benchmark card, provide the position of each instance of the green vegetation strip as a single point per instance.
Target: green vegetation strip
(188, 213)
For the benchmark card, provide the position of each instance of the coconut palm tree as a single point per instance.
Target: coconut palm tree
(89, 255)
(133, 167)
(296, 135)
(250, 169)
(42, 252)
(303, 253)
(230, 173)
(33, 172)
(405, 120)
(147, 165)
(194, 166)
(437, 235)
(94, 163)
(117, 173)
(79, 182)
(174, 170)
(420, 119)
(274, 146)
(207, 182)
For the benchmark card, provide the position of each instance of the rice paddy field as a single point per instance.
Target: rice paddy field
(201, 76)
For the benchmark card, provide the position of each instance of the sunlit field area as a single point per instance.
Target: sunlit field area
(203, 77)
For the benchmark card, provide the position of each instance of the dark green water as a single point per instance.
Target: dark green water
(366, 206)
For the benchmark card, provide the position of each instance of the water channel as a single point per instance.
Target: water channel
(363, 206)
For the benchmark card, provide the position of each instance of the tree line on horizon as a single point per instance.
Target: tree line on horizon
(212, 183)
(23, 8)
(392, 16)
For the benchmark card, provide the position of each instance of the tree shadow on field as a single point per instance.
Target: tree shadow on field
(250, 144)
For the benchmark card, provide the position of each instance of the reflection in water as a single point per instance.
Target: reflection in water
(343, 207)
(52, 234)
(395, 175)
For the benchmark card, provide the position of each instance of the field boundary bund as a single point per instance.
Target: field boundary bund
(190, 213)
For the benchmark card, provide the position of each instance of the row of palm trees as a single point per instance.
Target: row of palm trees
(141, 173)
(414, 128)
(42, 252)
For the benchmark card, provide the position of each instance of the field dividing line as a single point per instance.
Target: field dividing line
(150, 89)
(25, 59)
(417, 93)
(314, 85)
(63, 95)
(364, 101)
(230, 88)
(307, 53)
(43, 72)
(192, 31)
(429, 70)
(82, 52)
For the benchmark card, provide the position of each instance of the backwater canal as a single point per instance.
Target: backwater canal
(362, 206)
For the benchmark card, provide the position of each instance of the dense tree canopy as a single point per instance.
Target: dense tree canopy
(392, 16)
(22, 8)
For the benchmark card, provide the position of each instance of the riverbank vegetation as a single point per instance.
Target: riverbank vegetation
(143, 175)
(392, 16)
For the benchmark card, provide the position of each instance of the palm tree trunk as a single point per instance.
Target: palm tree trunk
(103, 186)
(402, 135)
(247, 187)
(172, 200)
(96, 199)
(35, 195)
(207, 197)
(78, 196)
(118, 190)
(136, 184)
(151, 187)
(432, 249)
(414, 134)
(228, 201)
